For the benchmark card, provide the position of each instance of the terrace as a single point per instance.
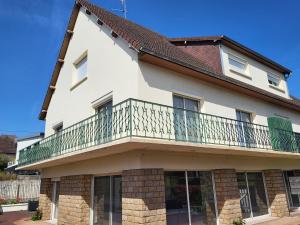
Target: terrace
(141, 119)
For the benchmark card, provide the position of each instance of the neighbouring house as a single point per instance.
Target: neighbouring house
(8, 145)
(146, 129)
(22, 143)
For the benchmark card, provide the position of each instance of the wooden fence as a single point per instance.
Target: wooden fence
(23, 190)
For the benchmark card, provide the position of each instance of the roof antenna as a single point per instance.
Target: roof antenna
(123, 9)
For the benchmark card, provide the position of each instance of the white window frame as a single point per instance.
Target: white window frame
(275, 77)
(235, 68)
(75, 80)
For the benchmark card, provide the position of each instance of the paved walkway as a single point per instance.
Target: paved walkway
(24, 218)
(19, 218)
(292, 220)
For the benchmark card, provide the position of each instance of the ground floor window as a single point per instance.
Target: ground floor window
(107, 204)
(189, 198)
(253, 198)
(294, 200)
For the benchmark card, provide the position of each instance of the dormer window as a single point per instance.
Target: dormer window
(273, 80)
(237, 64)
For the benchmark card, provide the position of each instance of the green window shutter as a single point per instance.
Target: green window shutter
(281, 134)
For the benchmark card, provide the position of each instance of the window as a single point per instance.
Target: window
(80, 69)
(273, 80)
(189, 198)
(104, 122)
(107, 203)
(243, 116)
(186, 118)
(253, 198)
(245, 129)
(237, 64)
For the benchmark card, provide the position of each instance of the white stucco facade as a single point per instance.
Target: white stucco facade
(114, 71)
(256, 73)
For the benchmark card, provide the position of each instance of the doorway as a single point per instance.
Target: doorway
(55, 200)
(107, 200)
(294, 201)
(253, 198)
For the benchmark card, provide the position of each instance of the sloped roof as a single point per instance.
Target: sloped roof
(237, 46)
(144, 41)
(142, 38)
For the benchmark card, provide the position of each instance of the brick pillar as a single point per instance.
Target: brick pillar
(74, 200)
(276, 193)
(45, 198)
(143, 197)
(228, 196)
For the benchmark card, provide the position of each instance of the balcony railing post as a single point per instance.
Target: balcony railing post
(130, 117)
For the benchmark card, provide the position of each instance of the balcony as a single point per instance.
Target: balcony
(141, 119)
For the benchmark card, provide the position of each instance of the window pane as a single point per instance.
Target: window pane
(257, 194)
(273, 80)
(201, 196)
(178, 102)
(101, 200)
(244, 195)
(237, 64)
(117, 200)
(243, 116)
(176, 198)
(179, 118)
(191, 104)
(294, 201)
(104, 122)
(81, 68)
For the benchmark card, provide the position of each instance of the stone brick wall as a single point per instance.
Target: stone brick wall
(228, 197)
(45, 198)
(276, 193)
(74, 200)
(143, 197)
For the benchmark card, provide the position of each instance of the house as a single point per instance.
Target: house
(146, 129)
(8, 145)
(22, 143)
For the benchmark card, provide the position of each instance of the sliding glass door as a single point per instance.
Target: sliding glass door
(253, 198)
(186, 119)
(294, 200)
(189, 198)
(107, 206)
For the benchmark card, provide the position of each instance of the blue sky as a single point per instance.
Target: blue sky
(32, 31)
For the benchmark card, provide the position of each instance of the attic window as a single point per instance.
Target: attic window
(80, 69)
(273, 80)
(237, 64)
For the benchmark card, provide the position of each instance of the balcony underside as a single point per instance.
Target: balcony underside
(136, 143)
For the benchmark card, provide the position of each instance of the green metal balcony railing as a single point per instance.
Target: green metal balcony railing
(135, 118)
